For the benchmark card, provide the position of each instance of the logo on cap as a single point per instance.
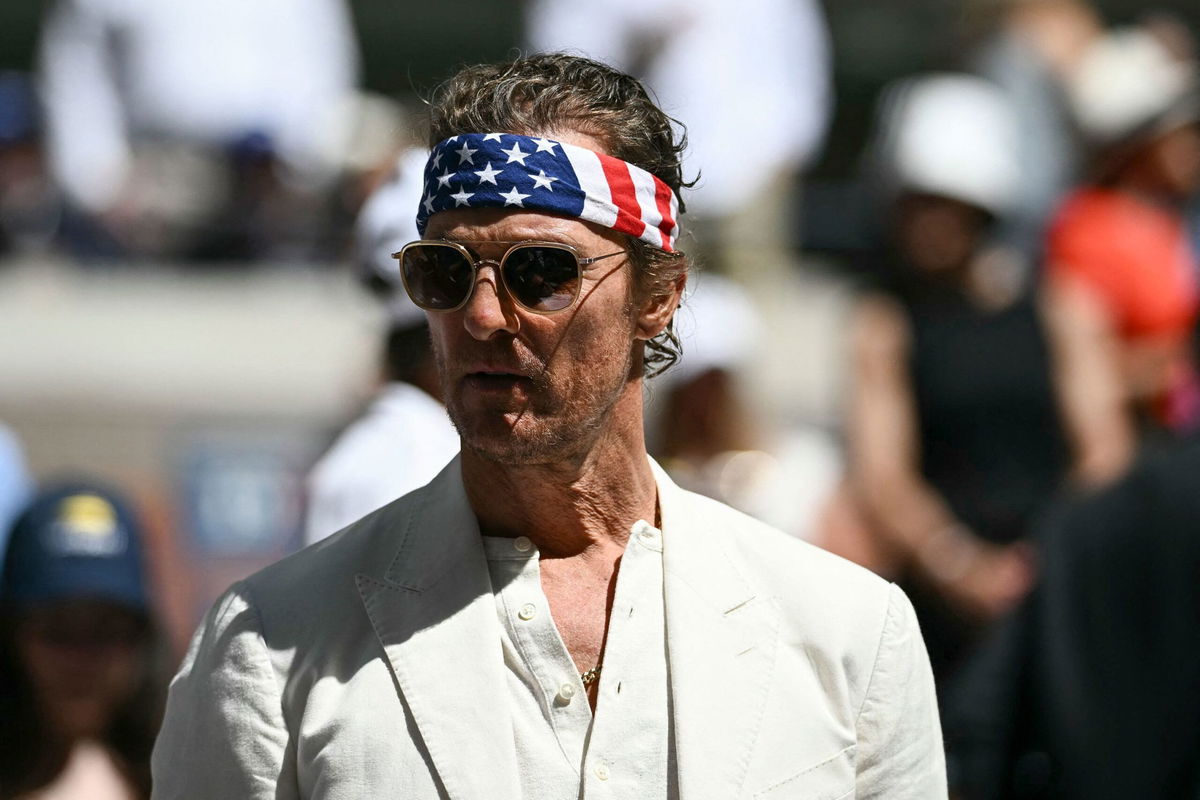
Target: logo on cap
(86, 526)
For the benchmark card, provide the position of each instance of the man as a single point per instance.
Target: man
(551, 616)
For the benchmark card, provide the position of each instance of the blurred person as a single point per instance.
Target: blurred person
(971, 405)
(1092, 688)
(704, 419)
(188, 128)
(405, 437)
(756, 71)
(29, 207)
(368, 154)
(80, 688)
(1122, 237)
(1030, 52)
(16, 485)
(551, 616)
(704, 432)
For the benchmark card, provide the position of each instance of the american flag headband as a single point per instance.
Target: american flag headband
(507, 170)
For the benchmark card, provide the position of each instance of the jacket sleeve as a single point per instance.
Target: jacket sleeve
(224, 734)
(900, 753)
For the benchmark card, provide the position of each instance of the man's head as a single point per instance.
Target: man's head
(530, 387)
(550, 93)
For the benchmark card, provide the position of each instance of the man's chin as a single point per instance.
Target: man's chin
(508, 439)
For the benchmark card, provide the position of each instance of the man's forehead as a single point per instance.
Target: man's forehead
(513, 226)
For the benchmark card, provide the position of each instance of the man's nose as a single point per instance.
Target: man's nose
(490, 310)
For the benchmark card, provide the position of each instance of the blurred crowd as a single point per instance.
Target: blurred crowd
(1018, 443)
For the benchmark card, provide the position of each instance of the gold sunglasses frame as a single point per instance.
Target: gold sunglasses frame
(581, 263)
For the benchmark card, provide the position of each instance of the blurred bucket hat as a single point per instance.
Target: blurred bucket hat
(75, 540)
(1129, 86)
(952, 135)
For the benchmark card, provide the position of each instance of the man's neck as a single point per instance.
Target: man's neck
(568, 507)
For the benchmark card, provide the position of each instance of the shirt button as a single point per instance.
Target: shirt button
(565, 693)
(647, 534)
(602, 772)
(527, 611)
(523, 544)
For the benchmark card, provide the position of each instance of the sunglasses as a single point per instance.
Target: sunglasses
(542, 277)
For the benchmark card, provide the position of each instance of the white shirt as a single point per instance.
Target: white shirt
(398, 445)
(624, 751)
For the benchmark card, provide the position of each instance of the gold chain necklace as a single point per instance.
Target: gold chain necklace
(591, 676)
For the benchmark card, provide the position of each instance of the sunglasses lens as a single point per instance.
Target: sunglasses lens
(542, 278)
(438, 277)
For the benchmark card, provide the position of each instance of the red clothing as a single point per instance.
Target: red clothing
(1135, 255)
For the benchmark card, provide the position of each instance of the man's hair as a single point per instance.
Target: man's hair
(552, 93)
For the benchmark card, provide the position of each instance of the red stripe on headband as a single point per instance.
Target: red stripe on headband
(662, 197)
(629, 212)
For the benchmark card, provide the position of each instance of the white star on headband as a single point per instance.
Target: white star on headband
(488, 174)
(515, 154)
(544, 145)
(428, 203)
(461, 197)
(543, 181)
(491, 137)
(514, 197)
(444, 179)
(464, 154)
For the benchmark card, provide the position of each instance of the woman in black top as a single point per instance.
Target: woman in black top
(972, 404)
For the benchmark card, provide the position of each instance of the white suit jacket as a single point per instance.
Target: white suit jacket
(370, 665)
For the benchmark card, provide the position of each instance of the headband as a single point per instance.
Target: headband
(507, 170)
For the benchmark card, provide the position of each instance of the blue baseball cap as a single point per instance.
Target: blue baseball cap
(75, 540)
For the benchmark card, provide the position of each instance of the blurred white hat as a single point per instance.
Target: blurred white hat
(1129, 83)
(388, 221)
(951, 135)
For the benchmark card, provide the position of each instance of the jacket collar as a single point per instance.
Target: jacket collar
(435, 617)
(721, 644)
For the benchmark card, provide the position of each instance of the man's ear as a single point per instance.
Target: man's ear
(657, 311)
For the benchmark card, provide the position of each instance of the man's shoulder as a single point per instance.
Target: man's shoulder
(807, 582)
(325, 574)
(841, 615)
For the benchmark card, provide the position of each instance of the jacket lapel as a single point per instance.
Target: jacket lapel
(435, 616)
(721, 643)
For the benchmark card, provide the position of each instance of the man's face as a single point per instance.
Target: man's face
(525, 388)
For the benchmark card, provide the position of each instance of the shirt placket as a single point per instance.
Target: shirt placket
(631, 704)
(560, 691)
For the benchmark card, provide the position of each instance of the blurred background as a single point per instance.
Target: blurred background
(947, 281)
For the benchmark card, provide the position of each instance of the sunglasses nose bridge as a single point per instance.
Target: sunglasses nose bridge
(487, 313)
(493, 276)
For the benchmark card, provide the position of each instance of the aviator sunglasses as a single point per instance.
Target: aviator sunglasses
(542, 277)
